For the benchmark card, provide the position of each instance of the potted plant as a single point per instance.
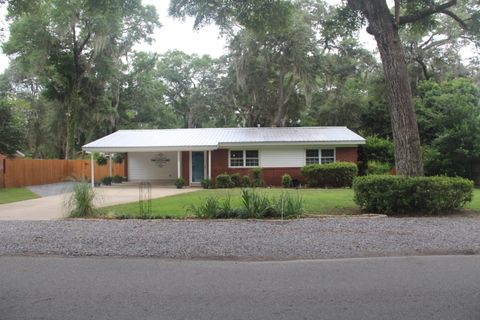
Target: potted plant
(179, 183)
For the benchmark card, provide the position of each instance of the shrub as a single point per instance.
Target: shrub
(107, 181)
(206, 183)
(410, 195)
(379, 149)
(235, 177)
(117, 179)
(257, 178)
(291, 206)
(118, 158)
(335, 174)
(213, 208)
(256, 205)
(376, 167)
(80, 203)
(286, 180)
(100, 159)
(179, 183)
(246, 181)
(224, 181)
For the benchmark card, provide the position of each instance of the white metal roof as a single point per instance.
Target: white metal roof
(214, 138)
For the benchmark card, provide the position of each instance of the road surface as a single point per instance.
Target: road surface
(433, 287)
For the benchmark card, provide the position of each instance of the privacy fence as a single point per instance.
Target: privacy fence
(22, 172)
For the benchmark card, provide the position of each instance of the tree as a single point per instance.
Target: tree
(11, 132)
(384, 26)
(449, 123)
(74, 50)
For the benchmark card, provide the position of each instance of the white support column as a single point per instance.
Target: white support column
(209, 164)
(179, 164)
(92, 170)
(110, 173)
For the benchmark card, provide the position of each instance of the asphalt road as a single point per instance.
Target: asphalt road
(434, 287)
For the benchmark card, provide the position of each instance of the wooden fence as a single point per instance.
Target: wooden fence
(22, 172)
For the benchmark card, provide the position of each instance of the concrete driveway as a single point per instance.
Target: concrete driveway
(52, 207)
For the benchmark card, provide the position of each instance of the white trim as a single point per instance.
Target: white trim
(209, 164)
(92, 170)
(244, 158)
(319, 154)
(179, 164)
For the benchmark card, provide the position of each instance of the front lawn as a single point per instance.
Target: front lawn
(15, 194)
(317, 201)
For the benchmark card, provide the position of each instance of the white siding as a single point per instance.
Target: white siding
(141, 166)
(282, 158)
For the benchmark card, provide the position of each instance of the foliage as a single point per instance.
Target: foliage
(235, 177)
(224, 180)
(448, 117)
(257, 178)
(377, 167)
(179, 183)
(206, 183)
(332, 175)
(246, 182)
(117, 179)
(107, 180)
(80, 204)
(118, 158)
(11, 132)
(256, 205)
(100, 159)
(286, 180)
(411, 195)
(289, 205)
(378, 149)
(214, 208)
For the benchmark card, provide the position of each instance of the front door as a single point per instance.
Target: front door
(198, 166)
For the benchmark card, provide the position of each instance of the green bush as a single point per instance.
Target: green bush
(118, 158)
(80, 203)
(257, 178)
(255, 205)
(379, 149)
(224, 181)
(117, 179)
(235, 177)
(410, 195)
(107, 181)
(246, 181)
(376, 167)
(206, 183)
(334, 175)
(100, 159)
(286, 180)
(179, 183)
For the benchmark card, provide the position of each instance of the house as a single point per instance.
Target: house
(196, 154)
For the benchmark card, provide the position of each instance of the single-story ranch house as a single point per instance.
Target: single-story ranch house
(163, 155)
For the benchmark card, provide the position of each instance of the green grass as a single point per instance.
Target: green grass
(317, 201)
(15, 194)
(475, 204)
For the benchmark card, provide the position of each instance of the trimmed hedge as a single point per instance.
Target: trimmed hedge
(224, 181)
(376, 167)
(410, 195)
(333, 175)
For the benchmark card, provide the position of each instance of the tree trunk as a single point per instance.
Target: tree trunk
(408, 157)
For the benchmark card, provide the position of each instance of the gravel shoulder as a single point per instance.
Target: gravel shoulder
(244, 240)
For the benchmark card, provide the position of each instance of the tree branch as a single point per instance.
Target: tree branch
(427, 12)
(452, 15)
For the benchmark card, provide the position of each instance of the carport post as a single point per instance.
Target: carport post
(110, 165)
(179, 163)
(209, 164)
(92, 170)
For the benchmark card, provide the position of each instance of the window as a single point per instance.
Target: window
(312, 156)
(236, 158)
(244, 158)
(328, 155)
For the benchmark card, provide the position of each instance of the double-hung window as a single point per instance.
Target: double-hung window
(244, 158)
(314, 156)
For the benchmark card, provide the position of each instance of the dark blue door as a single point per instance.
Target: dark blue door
(198, 166)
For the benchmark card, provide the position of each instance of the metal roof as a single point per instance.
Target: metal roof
(214, 138)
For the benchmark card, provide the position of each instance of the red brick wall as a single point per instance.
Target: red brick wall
(186, 167)
(349, 154)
